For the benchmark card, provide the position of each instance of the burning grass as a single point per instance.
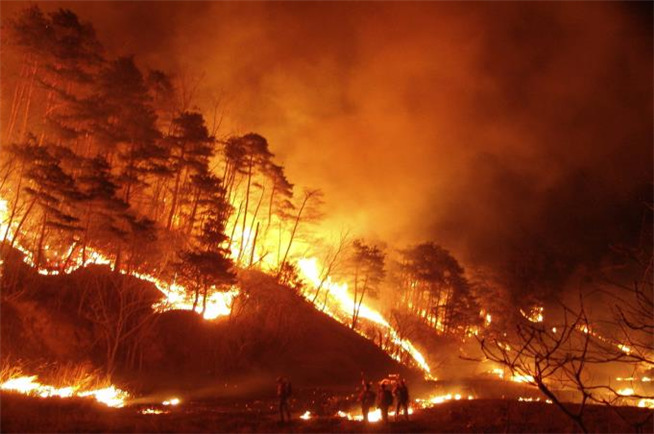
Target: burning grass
(68, 381)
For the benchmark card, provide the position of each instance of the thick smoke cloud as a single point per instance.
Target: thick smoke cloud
(494, 129)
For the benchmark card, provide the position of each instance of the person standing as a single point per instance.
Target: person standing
(367, 399)
(401, 392)
(283, 394)
(384, 400)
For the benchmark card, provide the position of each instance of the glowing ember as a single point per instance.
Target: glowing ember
(498, 371)
(522, 378)
(28, 385)
(440, 399)
(628, 391)
(529, 399)
(625, 349)
(535, 314)
(152, 411)
(174, 401)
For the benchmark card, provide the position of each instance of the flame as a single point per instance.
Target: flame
(152, 411)
(28, 385)
(306, 415)
(342, 304)
(534, 315)
(498, 371)
(529, 399)
(519, 378)
(173, 402)
(440, 399)
(176, 297)
(625, 349)
(374, 416)
(627, 391)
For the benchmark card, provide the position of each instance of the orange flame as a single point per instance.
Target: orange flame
(28, 385)
(342, 303)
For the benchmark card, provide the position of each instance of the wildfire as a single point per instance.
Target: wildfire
(176, 297)
(440, 399)
(173, 402)
(342, 303)
(306, 415)
(529, 399)
(534, 315)
(152, 411)
(28, 385)
(517, 378)
(376, 416)
(373, 416)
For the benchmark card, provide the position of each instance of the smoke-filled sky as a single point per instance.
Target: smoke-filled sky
(494, 129)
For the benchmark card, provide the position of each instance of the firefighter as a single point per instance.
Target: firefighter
(367, 399)
(384, 400)
(283, 394)
(401, 392)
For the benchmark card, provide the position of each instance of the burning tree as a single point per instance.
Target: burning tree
(206, 266)
(366, 265)
(435, 289)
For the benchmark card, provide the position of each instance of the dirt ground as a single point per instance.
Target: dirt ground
(25, 414)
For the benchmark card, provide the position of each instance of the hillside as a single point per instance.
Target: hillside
(62, 319)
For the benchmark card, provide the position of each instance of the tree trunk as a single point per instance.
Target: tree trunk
(290, 241)
(254, 220)
(196, 298)
(204, 299)
(356, 291)
(254, 244)
(194, 210)
(178, 177)
(19, 91)
(247, 201)
(270, 206)
(29, 102)
(231, 236)
(86, 234)
(20, 224)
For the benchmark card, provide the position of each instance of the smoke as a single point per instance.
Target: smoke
(493, 129)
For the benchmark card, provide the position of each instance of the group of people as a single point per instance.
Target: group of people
(388, 391)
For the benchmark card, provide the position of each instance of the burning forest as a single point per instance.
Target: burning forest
(326, 217)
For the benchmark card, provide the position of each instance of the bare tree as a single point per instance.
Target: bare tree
(548, 357)
(120, 308)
